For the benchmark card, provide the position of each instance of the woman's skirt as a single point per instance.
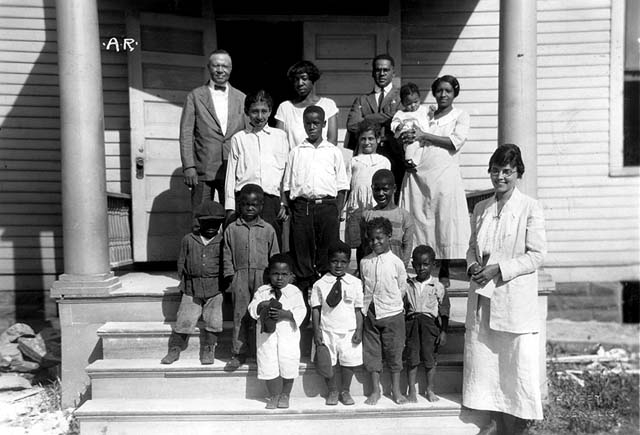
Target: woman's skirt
(501, 369)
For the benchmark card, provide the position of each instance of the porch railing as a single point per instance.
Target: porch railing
(119, 218)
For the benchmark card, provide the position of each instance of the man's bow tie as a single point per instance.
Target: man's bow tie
(219, 88)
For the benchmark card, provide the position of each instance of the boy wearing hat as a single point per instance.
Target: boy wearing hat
(249, 242)
(199, 272)
(336, 300)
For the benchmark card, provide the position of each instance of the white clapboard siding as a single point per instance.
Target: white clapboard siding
(587, 210)
(458, 38)
(30, 216)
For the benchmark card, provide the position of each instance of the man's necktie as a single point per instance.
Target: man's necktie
(380, 98)
(219, 88)
(335, 295)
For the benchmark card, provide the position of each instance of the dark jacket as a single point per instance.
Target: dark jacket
(365, 107)
(200, 266)
(202, 144)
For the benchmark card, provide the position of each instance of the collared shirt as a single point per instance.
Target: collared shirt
(385, 284)
(256, 158)
(377, 90)
(291, 300)
(199, 266)
(342, 317)
(404, 229)
(428, 297)
(315, 172)
(220, 104)
(248, 246)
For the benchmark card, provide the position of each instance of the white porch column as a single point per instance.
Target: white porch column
(517, 85)
(84, 200)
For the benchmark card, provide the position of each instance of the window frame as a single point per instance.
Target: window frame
(616, 93)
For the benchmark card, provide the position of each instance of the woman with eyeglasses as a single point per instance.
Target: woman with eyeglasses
(432, 189)
(502, 340)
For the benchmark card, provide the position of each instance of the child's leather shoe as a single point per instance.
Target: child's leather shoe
(207, 354)
(172, 356)
(272, 402)
(346, 399)
(283, 401)
(332, 398)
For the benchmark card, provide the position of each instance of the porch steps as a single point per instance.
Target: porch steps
(306, 416)
(132, 340)
(144, 378)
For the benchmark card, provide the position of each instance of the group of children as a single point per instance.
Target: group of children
(380, 317)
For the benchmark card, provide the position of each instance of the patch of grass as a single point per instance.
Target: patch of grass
(51, 402)
(606, 404)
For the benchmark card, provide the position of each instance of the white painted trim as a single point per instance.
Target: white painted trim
(616, 93)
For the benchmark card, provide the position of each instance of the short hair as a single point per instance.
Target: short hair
(379, 223)
(409, 89)
(314, 109)
(260, 96)
(421, 250)
(339, 247)
(252, 189)
(280, 259)
(367, 125)
(449, 79)
(383, 174)
(219, 51)
(304, 67)
(508, 155)
(383, 56)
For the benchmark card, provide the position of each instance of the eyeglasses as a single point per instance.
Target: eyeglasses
(504, 172)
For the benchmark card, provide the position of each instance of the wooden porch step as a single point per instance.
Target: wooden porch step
(187, 378)
(307, 416)
(149, 340)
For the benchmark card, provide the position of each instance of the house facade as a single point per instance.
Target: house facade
(583, 169)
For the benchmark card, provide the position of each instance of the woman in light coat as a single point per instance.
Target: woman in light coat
(501, 354)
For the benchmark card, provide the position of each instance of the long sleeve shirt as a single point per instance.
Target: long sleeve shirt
(248, 246)
(385, 284)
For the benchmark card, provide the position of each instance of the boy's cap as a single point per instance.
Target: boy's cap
(323, 361)
(210, 209)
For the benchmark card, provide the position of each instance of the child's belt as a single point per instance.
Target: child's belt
(323, 200)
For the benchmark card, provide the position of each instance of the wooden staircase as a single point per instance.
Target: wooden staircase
(132, 393)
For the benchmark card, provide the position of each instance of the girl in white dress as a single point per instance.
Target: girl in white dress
(433, 192)
(303, 76)
(361, 170)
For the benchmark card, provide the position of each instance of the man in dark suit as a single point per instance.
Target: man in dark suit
(379, 106)
(212, 114)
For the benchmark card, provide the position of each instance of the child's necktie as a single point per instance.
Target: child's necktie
(335, 295)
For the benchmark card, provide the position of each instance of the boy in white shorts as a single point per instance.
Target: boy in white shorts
(336, 301)
(279, 309)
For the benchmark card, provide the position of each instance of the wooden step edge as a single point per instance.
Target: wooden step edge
(301, 407)
(186, 366)
(121, 329)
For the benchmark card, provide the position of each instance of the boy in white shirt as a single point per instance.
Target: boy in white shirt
(258, 155)
(336, 302)
(385, 283)
(315, 184)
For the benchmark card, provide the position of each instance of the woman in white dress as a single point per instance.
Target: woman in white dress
(432, 190)
(502, 341)
(303, 76)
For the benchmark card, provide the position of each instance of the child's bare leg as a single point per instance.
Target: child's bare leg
(412, 374)
(332, 385)
(347, 376)
(431, 376)
(398, 397)
(375, 394)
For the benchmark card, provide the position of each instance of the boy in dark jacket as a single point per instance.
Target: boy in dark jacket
(199, 267)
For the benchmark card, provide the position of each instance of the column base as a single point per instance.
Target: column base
(84, 286)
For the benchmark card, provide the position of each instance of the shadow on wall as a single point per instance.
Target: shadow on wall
(30, 216)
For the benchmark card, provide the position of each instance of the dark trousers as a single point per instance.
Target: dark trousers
(205, 190)
(394, 152)
(314, 227)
